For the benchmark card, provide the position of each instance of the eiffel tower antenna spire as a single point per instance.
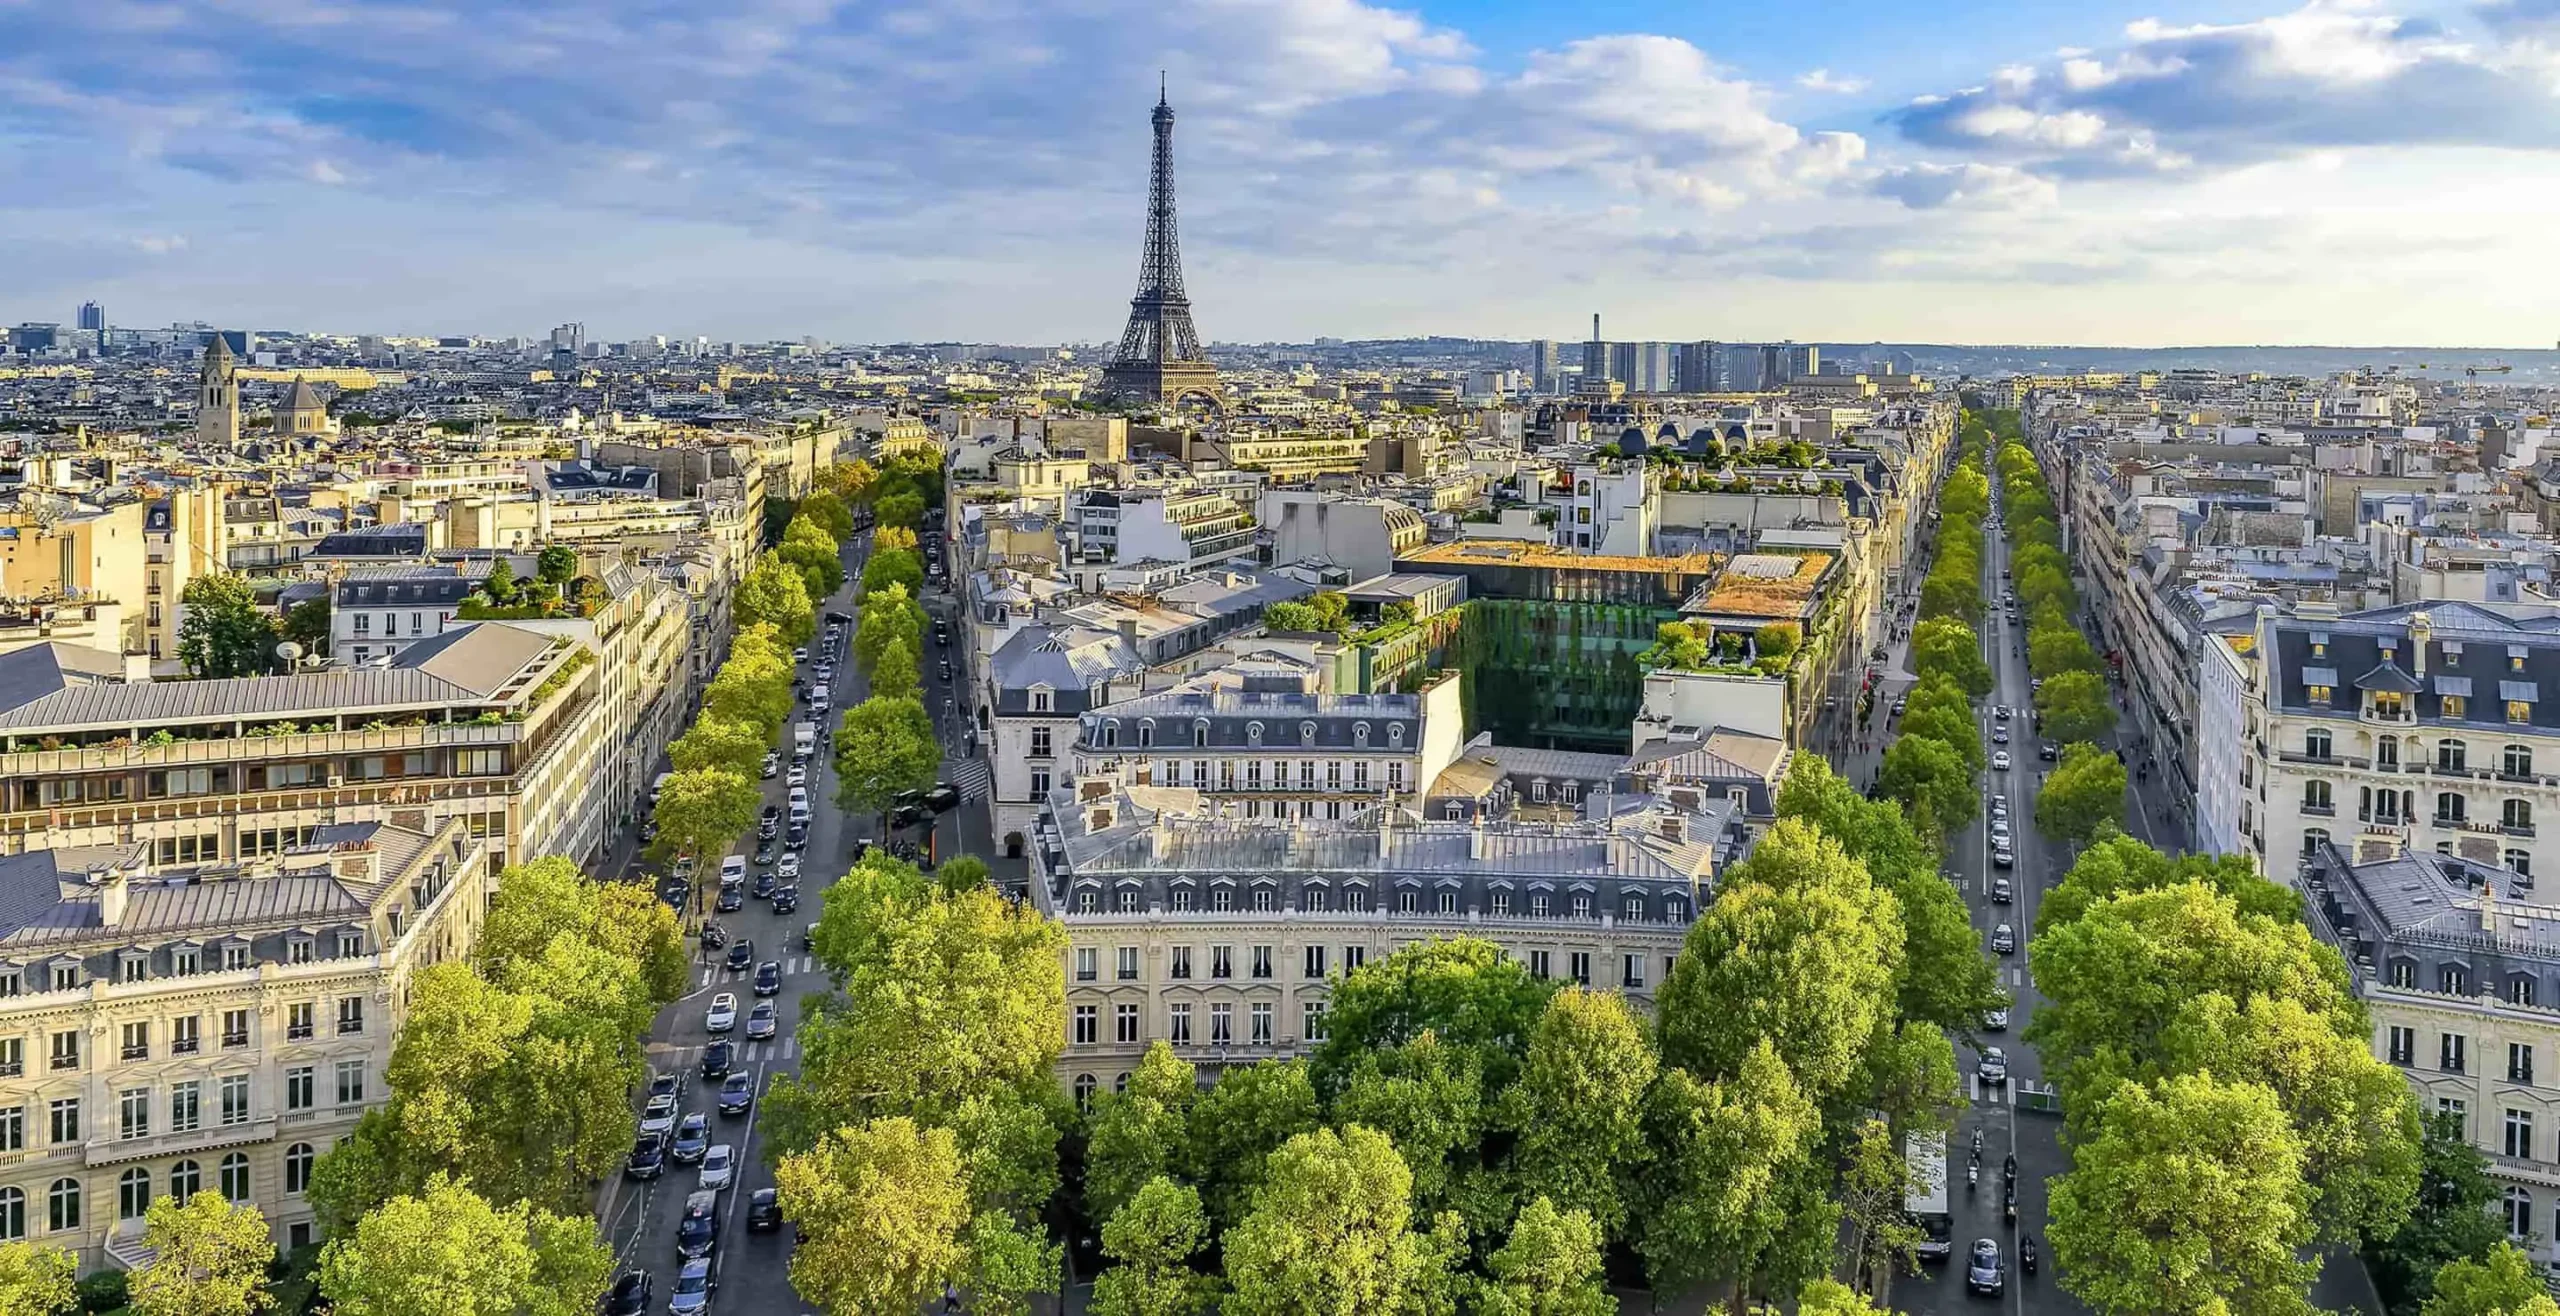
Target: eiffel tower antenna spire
(1159, 358)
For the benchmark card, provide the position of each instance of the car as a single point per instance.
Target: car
(799, 656)
(2000, 895)
(826, 671)
(2004, 940)
(763, 1020)
(1899, 705)
(730, 900)
(659, 1115)
(1999, 810)
(2000, 712)
(717, 1058)
(698, 1229)
(675, 894)
(809, 937)
(941, 638)
(944, 668)
(737, 1092)
(648, 1157)
(943, 798)
(1999, 735)
(1996, 1020)
(1999, 760)
(742, 953)
(1993, 1067)
(764, 853)
(691, 1295)
(798, 776)
(2003, 857)
(719, 1165)
(2000, 830)
(769, 978)
(766, 882)
(797, 838)
(907, 815)
(723, 1014)
(1984, 1273)
(629, 1295)
(787, 900)
(789, 869)
(835, 618)
(693, 1138)
(772, 767)
(664, 1084)
(733, 869)
(820, 701)
(764, 1211)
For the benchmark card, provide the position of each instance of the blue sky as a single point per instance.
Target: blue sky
(1980, 170)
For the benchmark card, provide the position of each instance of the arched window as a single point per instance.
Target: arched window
(2315, 743)
(235, 1178)
(2517, 761)
(1111, 734)
(13, 1215)
(133, 1193)
(297, 1167)
(2313, 838)
(2449, 755)
(62, 1205)
(2519, 1212)
(1200, 733)
(1147, 733)
(1085, 1085)
(2315, 795)
(2516, 815)
(186, 1179)
(2451, 807)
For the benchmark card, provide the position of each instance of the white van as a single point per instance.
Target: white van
(733, 871)
(799, 804)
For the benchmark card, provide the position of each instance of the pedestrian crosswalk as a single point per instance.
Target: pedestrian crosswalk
(757, 1052)
(1989, 1094)
(790, 965)
(972, 775)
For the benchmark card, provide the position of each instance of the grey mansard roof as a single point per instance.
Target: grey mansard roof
(1068, 660)
(48, 904)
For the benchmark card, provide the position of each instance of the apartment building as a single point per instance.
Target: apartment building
(214, 1024)
(2417, 728)
(2463, 986)
(376, 612)
(1037, 685)
(1224, 935)
(1192, 529)
(509, 730)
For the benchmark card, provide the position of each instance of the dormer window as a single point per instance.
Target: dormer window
(299, 948)
(133, 965)
(1253, 734)
(350, 944)
(1111, 734)
(1147, 733)
(1360, 735)
(1395, 735)
(1200, 734)
(1306, 733)
(1041, 699)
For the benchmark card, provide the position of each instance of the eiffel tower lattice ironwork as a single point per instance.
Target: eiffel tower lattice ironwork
(1159, 359)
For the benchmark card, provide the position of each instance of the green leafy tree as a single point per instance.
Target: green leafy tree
(1549, 1266)
(558, 564)
(222, 632)
(853, 481)
(1778, 639)
(1578, 1107)
(2503, 1283)
(1943, 646)
(1807, 966)
(544, 899)
(1138, 1135)
(2451, 1220)
(2073, 706)
(830, 512)
(1469, 992)
(307, 624)
(900, 509)
(885, 748)
(1827, 1297)
(1235, 1127)
(2119, 865)
(774, 593)
(209, 1258)
(898, 675)
(889, 618)
(704, 811)
(893, 538)
(808, 547)
(1331, 1234)
(36, 1279)
(1875, 1180)
(2055, 649)
(2188, 1196)
(1150, 1241)
(1930, 778)
(1007, 1264)
(1736, 1196)
(2083, 793)
(448, 1252)
(500, 583)
(898, 567)
(1429, 1099)
(881, 1207)
(966, 873)
(718, 742)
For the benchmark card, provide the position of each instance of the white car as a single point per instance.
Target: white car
(2000, 830)
(798, 776)
(2000, 711)
(799, 656)
(719, 1166)
(723, 1014)
(659, 1116)
(1996, 1021)
(789, 868)
(2000, 760)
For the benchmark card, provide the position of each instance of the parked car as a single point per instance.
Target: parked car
(764, 1211)
(629, 1295)
(723, 1014)
(691, 1295)
(737, 1093)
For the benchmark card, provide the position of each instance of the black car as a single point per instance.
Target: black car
(648, 1157)
(786, 900)
(729, 901)
(742, 953)
(838, 618)
(908, 815)
(737, 1092)
(716, 1059)
(768, 978)
(765, 851)
(943, 798)
(764, 1211)
(2047, 751)
(797, 837)
(945, 668)
(629, 1296)
(674, 894)
(765, 883)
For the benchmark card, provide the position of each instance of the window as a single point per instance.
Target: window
(1312, 1025)
(1128, 899)
(1632, 910)
(1261, 1021)
(1262, 961)
(1124, 1023)
(1314, 964)
(2519, 1062)
(2453, 980)
(1178, 1023)
(186, 1035)
(1088, 901)
(1222, 961)
(1253, 738)
(2315, 744)
(1360, 775)
(2404, 973)
(2320, 695)
(1181, 962)
(1353, 957)
(235, 1097)
(66, 1049)
(1581, 962)
(298, 1025)
(2403, 1045)
(1264, 898)
(2516, 816)
(1111, 735)
(1222, 899)
(1448, 901)
(236, 956)
(1408, 901)
(1088, 1024)
(1200, 734)
(133, 1193)
(1333, 775)
(2315, 797)
(2519, 712)
(1633, 975)
(2386, 755)
(132, 967)
(2449, 755)
(186, 1106)
(235, 1023)
(1222, 1024)
(2455, 706)
(1039, 784)
(2449, 1055)
(186, 1179)
(133, 1113)
(2451, 808)
(1538, 964)
(2520, 863)
(1128, 956)
(1085, 1085)
(137, 1041)
(2518, 1210)
(350, 1015)
(350, 1082)
(298, 1087)
(1088, 964)
(62, 1205)
(2519, 1134)
(13, 1128)
(13, 1214)
(1040, 699)
(1582, 904)
(1315, 899)
(1539, 901)
(1501, 903)
(2313, 838)
(1040, 742)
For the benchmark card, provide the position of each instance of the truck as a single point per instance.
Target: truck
(804, 741)
(1924, 1195)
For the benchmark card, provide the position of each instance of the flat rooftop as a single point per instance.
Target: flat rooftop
(1515, 553)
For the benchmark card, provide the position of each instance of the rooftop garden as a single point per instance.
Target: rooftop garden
(556, 592)
(1698, 647)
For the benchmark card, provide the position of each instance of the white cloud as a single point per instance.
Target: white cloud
(159, 244)
(1824, 80)
(1927, 186)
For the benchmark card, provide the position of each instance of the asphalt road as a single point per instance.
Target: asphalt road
(639, 1219)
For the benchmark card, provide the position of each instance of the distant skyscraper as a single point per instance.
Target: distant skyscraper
(1159, 359)
(1705, 367)
(93, 316)
(1595, 354)
(1546, 366)
(218, 396)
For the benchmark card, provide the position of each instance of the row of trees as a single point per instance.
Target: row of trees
(1933, 765)
(2225, 1109)
(712, 796)
(888, 745)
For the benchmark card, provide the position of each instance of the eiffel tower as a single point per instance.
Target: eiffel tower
(1160, 358)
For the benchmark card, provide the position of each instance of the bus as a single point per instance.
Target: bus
(1924, 1195)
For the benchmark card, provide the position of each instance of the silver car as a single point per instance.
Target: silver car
(719, 1166)
(723, 1014)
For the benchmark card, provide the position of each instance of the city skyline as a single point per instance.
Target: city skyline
(2179, 174)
